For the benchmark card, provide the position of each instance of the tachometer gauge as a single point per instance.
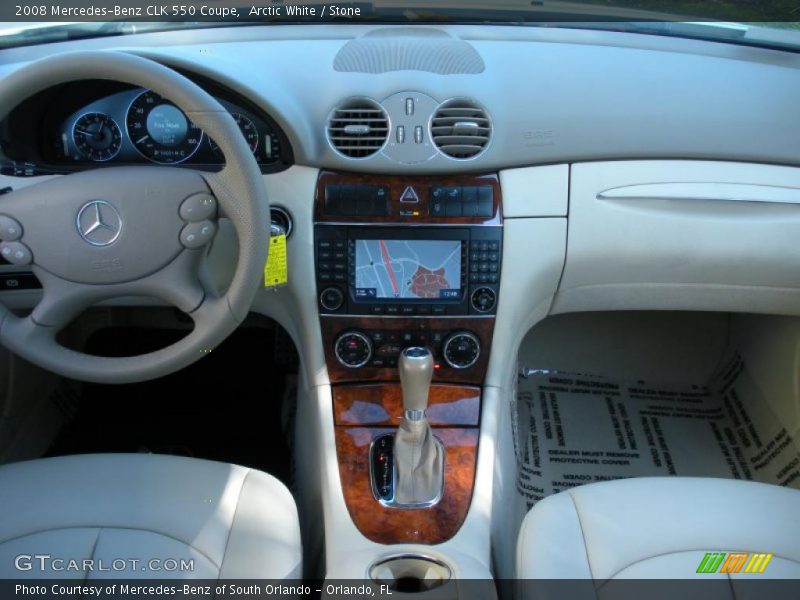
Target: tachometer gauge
(97, 136)
(248, 129)
(160, 131)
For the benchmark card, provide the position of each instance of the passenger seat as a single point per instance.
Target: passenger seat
(660, 528)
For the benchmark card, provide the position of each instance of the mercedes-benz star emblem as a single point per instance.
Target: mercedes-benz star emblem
(99, 223)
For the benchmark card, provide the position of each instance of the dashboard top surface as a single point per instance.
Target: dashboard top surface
(549, 96)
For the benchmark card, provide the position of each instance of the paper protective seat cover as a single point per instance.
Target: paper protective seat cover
(234, 522)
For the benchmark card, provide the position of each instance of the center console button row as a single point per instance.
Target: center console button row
(357, 200)
(464, 201)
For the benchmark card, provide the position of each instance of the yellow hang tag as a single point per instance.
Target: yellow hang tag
(275, 271)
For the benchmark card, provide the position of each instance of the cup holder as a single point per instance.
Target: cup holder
(410, 573)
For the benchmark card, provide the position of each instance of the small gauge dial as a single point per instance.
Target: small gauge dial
(97, 136)
(248, 129)
(160, 131)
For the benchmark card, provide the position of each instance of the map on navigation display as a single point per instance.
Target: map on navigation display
(408, 269)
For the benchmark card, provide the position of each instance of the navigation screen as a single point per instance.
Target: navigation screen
(414, 269)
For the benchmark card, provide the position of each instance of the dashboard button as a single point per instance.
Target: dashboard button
(408, 310)
(469, 194)
(195, 235)
(392, 310)
(376, 310)
(452, 194)
(483, 299)
(439, 310)
(469, 209)
(198, 207)
(452, 209)
(16, 253)
(485, 209)
(331, 298)
(333, 196)
(10, 229)
(400, 134)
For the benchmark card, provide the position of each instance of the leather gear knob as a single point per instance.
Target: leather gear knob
(416, 371)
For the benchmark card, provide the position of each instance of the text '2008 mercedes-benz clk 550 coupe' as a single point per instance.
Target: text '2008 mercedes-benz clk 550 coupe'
(452, 299)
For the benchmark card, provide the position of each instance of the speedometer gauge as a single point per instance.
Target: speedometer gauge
(248, 129)
(160, 131)
(97, 136)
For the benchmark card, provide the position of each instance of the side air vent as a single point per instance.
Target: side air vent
(359, 128)
(461, 129)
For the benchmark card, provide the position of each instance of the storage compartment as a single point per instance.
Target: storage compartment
(632, 394)
(410, 573)
(682, 235)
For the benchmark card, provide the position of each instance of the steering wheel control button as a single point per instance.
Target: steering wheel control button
(198, 207)
(483, 299)
(353, 349)
(10, 230)
(331, 299)
(16, 253)
(461, 350)
(195, 235)
(99, 223)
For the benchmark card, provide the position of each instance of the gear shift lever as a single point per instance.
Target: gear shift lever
(418, 455)
(416, 372)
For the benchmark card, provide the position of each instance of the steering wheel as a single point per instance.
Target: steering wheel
(131, 231)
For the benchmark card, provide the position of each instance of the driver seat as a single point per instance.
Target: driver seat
(229, 521)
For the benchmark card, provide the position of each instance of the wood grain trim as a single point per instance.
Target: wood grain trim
(393, 525)
(397, 185)
(381, 405)
(333, 326)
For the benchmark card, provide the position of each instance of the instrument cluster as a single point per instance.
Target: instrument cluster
(139, 125)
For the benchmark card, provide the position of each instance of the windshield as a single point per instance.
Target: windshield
(773, 23)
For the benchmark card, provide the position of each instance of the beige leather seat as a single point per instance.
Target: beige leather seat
(659, 528)
(232, 522)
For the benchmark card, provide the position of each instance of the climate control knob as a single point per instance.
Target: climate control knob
(353, 349)
(461, 349)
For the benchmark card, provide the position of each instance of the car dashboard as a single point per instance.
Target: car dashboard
(515, 173)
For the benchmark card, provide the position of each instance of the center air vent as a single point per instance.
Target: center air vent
(358, 128)
(461, 129)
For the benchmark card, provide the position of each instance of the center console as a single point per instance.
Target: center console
(406, 262)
